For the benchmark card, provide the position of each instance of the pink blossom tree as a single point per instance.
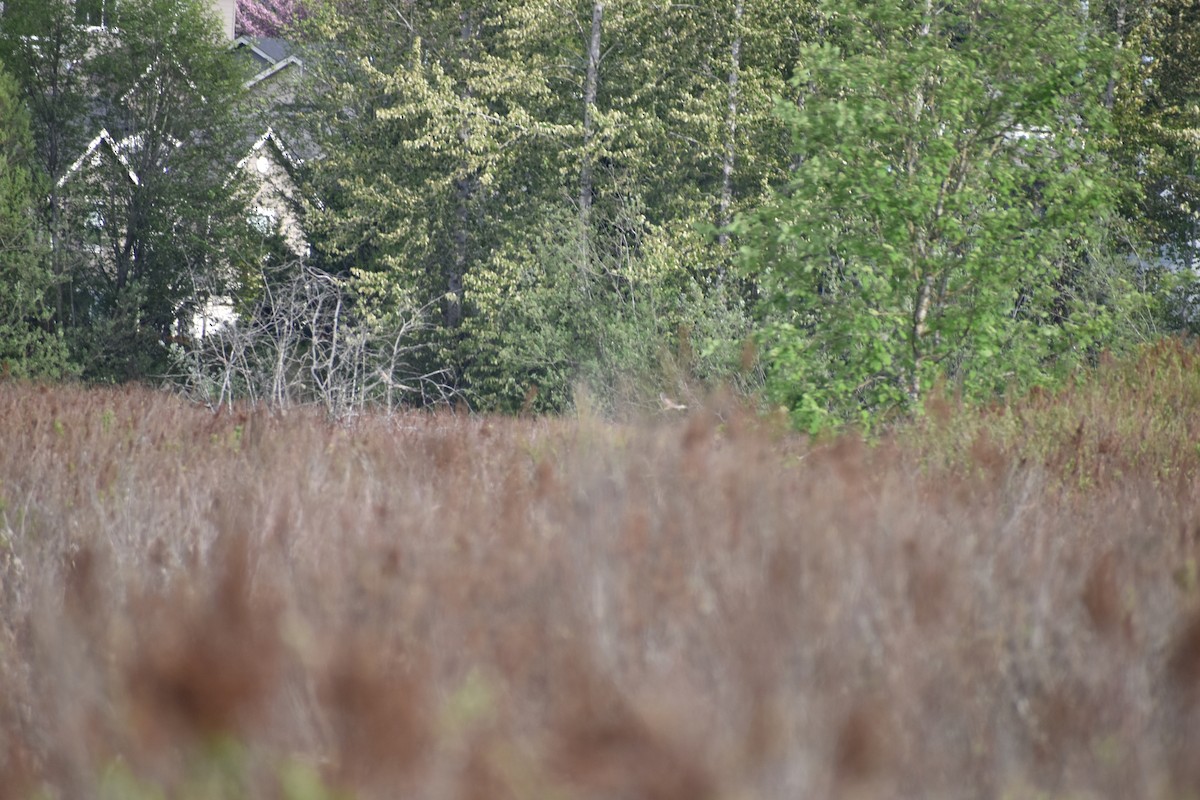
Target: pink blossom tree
(269, 17)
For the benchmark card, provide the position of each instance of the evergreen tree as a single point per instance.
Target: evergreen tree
(47, 49)
(28, 347)
(434, 146)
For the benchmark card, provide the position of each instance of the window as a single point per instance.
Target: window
(93, 12)
(264, 220)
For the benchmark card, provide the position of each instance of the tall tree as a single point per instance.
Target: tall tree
(435, 148)
(676, 125)
(48, 51)
(591, 82)
(28, 346)
(729, 158)
(944, 202)
(1157, 107)
(155, 226)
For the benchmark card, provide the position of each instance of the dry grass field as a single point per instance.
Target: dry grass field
(998, 604)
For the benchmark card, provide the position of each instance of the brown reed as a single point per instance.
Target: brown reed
(988, 604)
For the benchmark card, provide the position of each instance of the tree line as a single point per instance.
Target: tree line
(839, 207)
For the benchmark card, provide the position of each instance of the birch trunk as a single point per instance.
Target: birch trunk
(464, 193)
(924, 296)
(729, 161)
(591, 81)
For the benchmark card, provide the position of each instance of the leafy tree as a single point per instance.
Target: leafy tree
(27, 346)
(437, 150)
(48, 52)
(675, 118)
(460, 137)
(147, 249)
(942, 218)
(1157, 108)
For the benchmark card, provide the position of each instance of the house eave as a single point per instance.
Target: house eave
(274, 69)
(103, 138)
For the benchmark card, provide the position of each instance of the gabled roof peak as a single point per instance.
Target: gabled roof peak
(269, 135)
(103, 139)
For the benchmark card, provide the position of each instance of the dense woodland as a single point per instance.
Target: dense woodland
(835, 207)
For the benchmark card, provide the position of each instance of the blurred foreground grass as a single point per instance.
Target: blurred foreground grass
(987, 603)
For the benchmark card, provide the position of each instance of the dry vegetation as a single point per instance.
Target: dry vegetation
(999, 604)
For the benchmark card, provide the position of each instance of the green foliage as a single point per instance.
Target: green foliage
(1157, 109)
(28, 347)
(942, 219)
(456, 130)
(436, 150)
(168, 239)
(661, 115)
(218, 769)
(546, 321)
(46, 50)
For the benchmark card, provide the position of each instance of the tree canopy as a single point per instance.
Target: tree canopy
(837, 207)
(948, 195)
(28, 344)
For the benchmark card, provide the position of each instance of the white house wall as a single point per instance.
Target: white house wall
(227, 10)
(274, 191)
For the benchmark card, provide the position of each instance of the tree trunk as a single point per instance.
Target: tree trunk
(464, 193)
(1121, 24)
(729, 160)
(919, 329)
(591, 81)
(924, 298)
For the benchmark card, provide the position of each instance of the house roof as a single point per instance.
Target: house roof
(103, 141)
(290, 161)
(274, 56)
(150, 69)
(272, 138)
(275, 49)
(251, 44)
(272, 70)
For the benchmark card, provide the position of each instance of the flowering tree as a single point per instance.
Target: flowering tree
(268, 17)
